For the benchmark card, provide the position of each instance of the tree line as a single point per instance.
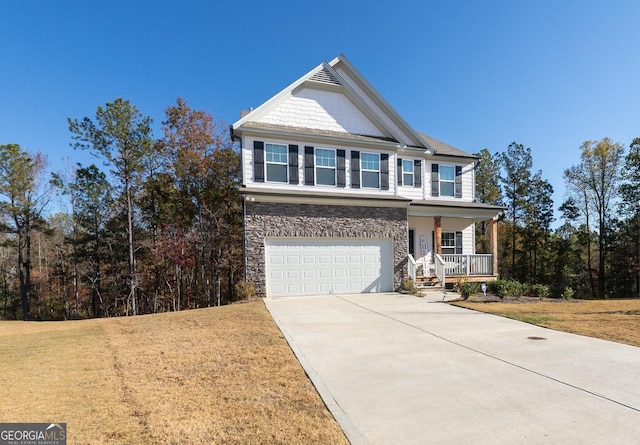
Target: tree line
(595, 251)
(157, 228)
(156, 224)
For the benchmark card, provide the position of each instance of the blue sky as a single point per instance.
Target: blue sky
(547, 74)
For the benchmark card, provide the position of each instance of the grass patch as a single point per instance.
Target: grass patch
(615, 320)
(539, 320)
(221, 375)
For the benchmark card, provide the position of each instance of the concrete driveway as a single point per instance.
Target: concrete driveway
(397, 369)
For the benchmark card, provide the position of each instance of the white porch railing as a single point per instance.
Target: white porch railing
(440, 268)
(413, 267)
(468, 265)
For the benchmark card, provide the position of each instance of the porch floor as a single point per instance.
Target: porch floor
(470, 278)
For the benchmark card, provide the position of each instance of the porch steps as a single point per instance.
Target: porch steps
(428, 284)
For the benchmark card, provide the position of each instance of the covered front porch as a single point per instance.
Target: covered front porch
(442, 242)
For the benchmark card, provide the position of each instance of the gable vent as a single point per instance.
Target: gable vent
(325, 76)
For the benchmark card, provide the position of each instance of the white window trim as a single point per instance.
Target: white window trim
(453, 181)
(442, 246)
(335, 166)
(267, 163)
(363, 170)
(412, 172)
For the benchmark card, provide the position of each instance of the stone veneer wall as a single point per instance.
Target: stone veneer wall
(263, 220)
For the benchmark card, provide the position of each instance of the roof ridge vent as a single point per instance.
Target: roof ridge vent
(325, 76)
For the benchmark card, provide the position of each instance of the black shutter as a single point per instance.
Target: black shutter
(400, 172)
(342, 180)
(384, 171)
(293, 164)
(435, 180)
(309, 166)
(459, 243)
(258, 161)
(417, 173)
(355, 169)
(458, 181)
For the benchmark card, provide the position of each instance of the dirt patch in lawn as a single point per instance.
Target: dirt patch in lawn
(615, 320)
(222, 375)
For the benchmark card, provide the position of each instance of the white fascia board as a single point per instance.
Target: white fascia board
(453, 212)
(413, 151)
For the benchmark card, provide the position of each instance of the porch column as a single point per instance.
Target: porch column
(437, 224)
(494, 244)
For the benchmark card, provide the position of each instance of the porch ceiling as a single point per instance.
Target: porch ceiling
(471, 210)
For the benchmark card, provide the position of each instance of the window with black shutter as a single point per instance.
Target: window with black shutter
(293, 164)
(309, 178)
(355, 169)
(342, 180)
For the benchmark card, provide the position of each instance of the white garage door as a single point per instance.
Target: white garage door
(296, 266)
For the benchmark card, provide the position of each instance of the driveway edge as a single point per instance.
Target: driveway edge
(349, 429)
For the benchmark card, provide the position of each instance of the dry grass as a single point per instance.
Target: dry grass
(615, 320)
(215, 376)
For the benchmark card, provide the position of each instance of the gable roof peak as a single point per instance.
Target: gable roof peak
(325, 75)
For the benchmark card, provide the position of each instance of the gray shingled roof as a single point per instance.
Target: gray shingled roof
(316, 132)
(444, 149)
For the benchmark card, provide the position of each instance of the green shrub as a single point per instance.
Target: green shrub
(507, 288)
(501, 288)
(492, 286)
(568, 293)
(539, 290)
(467, 288)
(518, 289)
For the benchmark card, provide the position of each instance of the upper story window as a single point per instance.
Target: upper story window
(370, 168)
(276, 162)
(407, 172)
(447, 180)
(325, 162)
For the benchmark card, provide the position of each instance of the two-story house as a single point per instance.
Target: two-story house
(342, 195)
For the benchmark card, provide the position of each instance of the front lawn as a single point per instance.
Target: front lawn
(209, 376)
(615, 320)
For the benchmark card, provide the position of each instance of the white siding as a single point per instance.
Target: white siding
(321, 110)
(467, 182)
(411, 192)
(247, 162)
(406, 140)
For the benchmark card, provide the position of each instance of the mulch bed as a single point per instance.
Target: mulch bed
(490, 298)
